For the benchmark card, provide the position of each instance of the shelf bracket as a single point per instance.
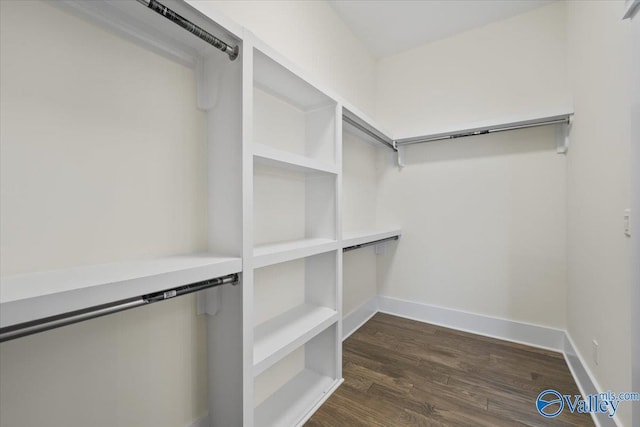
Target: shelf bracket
(400, 154)
(562, 136)
(209, 72)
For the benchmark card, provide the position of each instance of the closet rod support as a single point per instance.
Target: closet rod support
(64, 319)
(194, 29)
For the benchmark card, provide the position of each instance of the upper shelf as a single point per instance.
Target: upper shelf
(358, 124)
(281, 82)
(136, 22)
(355, 238)
(540, 118)
(28, 297)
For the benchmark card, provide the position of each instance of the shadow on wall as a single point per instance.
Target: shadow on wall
(506, 143)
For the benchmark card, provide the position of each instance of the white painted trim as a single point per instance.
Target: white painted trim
(359, 316)
(200, 422)
(505, 329)
(585, 380)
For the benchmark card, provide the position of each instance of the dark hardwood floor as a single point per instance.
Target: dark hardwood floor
(400, 372)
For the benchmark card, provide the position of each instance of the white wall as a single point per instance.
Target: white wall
(635, 210)
(483, 218)
(311, 35)
(501, 225)
(502, 69)
(598, 179)
(483, 227)
(94, 155)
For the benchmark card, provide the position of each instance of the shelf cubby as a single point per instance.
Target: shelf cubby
(290, 115)
(292, 206)
(287, 392)
(294, 301)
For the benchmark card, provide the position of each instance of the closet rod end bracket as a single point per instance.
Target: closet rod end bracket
(562, 135)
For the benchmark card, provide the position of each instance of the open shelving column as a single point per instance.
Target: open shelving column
(295, 258)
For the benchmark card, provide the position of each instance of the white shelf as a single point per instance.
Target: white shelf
(503, 122)
(275, 253)
(354, 238)
(277, 337)
(290, 405)
(34, 296)
(361, 126)
(268, 156)
(136, 22)
(280, 81)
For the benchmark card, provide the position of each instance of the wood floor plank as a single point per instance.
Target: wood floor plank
(400, 372)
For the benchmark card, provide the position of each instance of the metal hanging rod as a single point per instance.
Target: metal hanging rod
(47, 323)
(375, 242)
(543, 121)
(174, 17)
(364, 127)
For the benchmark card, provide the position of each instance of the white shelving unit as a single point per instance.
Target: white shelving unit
(295, 261)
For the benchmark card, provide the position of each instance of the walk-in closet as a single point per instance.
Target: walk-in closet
(320, 213)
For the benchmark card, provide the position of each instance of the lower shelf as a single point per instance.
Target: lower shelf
(277, 337)
(291, 403)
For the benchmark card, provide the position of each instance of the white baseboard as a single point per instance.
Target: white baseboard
(586, 381)
(510, 330)
(359, 316)
(200, 422)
